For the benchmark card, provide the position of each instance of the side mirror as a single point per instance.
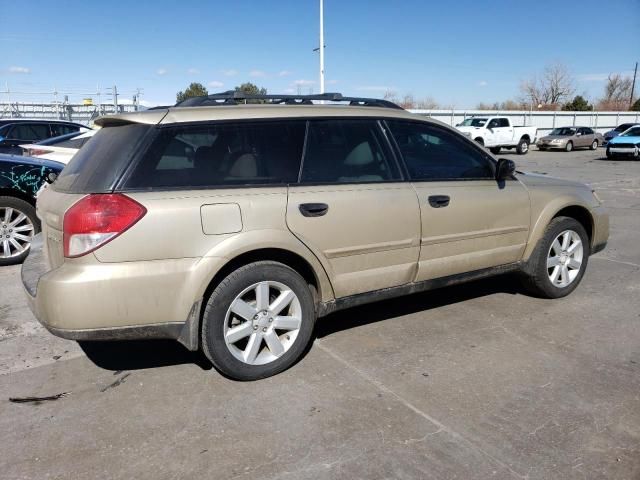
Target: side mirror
(578, 134)
(505, 169)
(51, 177)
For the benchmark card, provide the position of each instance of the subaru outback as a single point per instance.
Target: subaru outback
(231, 226)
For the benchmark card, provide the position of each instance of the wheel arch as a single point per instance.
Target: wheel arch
(526, 137)
(11, 192)
(562, 208)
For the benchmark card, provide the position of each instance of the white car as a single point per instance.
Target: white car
(61, 149)
(496, 133)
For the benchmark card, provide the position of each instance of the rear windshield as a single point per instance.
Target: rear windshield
(100, 163)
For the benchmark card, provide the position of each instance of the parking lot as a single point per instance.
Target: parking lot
(473, 381)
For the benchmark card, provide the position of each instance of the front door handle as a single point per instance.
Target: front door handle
(439, 201)
(313, 209)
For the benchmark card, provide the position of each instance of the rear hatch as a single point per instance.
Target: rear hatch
(96, 168)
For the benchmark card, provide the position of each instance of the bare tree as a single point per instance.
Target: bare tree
(409, 101)
(616, 93)
(551, 88)
(427, 103)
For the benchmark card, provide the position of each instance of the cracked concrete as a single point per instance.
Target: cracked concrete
(475, 381)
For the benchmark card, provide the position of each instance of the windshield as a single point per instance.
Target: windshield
(563, 132)
(474, 122)
(623, 127)
(632, 132)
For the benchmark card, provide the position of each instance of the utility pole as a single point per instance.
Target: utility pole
(322, 46)
(115, 99)
(633, 85)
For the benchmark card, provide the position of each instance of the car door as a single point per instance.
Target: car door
(493, 132)
(505, 131)
(352, 209)
(469, 220)
(588, 136)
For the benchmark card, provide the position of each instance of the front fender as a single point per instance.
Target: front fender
(551, 203)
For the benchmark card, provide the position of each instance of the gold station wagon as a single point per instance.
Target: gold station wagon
(231, 226)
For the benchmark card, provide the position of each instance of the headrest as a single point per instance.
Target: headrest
(360, 155)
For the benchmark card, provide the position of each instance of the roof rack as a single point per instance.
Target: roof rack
(234, 98)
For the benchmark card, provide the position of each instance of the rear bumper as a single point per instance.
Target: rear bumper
(134, 300)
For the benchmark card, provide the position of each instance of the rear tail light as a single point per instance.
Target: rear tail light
(33, 152)
(96, 220)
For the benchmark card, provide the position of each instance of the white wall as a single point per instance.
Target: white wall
(545, 121)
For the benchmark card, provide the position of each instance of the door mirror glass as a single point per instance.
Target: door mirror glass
(505, 169)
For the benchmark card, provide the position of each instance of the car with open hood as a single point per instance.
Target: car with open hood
(627, 144)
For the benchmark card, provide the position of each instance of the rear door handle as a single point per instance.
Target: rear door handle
(313, 209)
(439, 201)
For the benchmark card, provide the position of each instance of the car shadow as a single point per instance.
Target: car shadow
(145, 354)
(141, 354)
(397, 307)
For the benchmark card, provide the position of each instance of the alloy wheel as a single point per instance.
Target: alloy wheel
(16, 232)
(564, 259)
(262, 322)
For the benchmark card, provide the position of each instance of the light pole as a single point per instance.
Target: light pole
(321, 46)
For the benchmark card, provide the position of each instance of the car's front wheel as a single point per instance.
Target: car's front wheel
(558, 263)
(258, 321)
(609, 154)
(569, 147)
(18, 225)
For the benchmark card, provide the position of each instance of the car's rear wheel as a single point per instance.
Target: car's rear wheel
(594, 145)
(18, 225)
(569, 147)
(495, 150)
(523, 146)
(558, 263)
(258, 321)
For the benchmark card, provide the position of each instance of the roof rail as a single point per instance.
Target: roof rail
(234, 98)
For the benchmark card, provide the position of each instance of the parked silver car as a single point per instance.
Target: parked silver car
(568, 138)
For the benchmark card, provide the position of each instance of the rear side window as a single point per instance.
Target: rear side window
(101, 161)
(215, 154)
(62, 129)
(434, 153)
(503, 122)
(347, 151)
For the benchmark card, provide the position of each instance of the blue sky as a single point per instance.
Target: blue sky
(458, 52)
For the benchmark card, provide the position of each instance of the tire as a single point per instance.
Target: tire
(495, 150)
(523, 146)
(18, 225)
(479, 141)
(594, 145)
(609, 154)
(233, 355)
(569, 147)
(537, 275)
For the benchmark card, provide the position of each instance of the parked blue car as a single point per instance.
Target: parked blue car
(617, 131)
(625, 144)
(20, 180)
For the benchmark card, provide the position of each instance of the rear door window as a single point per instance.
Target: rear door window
(222, 154)
(347, 151)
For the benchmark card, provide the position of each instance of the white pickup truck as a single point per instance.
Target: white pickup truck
(498, 132)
